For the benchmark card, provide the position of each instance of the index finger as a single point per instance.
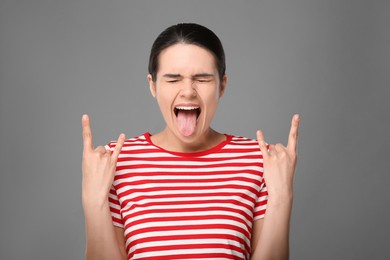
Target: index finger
(293, 136)
(87, 133)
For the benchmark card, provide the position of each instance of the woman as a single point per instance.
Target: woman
(189, 191)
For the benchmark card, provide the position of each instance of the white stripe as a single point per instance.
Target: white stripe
(115, 215)
(195, 206)
(198, 199)
(187, 242)
(260, 208)
(135, 147)
(219, 163)
(211, 193)
(158, 154)
(189, 177)
(184, 223)
(190, 170)
(115, 206)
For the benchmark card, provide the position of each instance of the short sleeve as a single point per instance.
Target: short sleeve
(113, 200)
(115, 208)
(261, 203)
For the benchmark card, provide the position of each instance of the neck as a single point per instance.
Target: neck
(168, 141)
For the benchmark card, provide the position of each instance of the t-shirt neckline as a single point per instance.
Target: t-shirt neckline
(214, 149)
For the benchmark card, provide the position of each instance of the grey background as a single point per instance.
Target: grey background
(327, 60)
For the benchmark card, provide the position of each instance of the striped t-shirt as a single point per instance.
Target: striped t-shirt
(188, 205)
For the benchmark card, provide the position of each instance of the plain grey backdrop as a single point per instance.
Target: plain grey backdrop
(327, 60)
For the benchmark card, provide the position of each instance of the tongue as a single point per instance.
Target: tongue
(187, 122)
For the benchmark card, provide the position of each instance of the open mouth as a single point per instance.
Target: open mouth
(187, 118)
(187, 110)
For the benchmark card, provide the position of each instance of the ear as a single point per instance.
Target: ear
(152, 86)
(222, 86)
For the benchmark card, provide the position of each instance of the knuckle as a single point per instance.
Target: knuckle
(294, 134)
(283, 155)
(87, 134)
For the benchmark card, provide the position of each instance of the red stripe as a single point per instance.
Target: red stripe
(224, 151)
(189, 237)
(113, 201)
(162, 181)
(180, 195)
(194, 173)
(192, 256)
(190, 188)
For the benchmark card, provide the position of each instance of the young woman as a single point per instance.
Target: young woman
(188, 192)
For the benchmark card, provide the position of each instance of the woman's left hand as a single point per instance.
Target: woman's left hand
(279, 164)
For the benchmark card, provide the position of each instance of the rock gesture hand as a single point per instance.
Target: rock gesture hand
(279, 163)
(98, 167)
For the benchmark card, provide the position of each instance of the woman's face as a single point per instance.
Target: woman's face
(187, 89)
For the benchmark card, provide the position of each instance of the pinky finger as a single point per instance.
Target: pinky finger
(118, 147)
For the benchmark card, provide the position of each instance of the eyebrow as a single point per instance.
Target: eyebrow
(171, 75)
(200, 75)
(203, 75)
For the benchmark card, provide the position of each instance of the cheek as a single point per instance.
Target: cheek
(211, 102)
(164, 99)
(212, 96)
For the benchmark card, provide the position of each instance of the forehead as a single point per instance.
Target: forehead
(186, 59)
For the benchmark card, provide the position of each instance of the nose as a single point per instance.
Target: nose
(188, 88)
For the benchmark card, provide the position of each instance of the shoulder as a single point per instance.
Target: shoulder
(242, 142)
(242, 146)
(140, 140)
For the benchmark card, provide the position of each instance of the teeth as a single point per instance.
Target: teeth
(187, 108)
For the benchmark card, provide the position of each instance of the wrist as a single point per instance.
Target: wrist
(95, 203)
(285, 199)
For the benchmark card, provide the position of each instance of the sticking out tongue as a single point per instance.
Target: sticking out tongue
(186, 120)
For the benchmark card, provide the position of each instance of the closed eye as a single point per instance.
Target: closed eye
(204, 80)
(173, 81)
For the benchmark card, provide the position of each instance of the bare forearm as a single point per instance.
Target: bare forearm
(273, 242)
(100, 234)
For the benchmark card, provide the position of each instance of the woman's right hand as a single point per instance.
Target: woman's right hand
(98, 167)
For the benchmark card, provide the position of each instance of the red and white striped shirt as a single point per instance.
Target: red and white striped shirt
(188, 205)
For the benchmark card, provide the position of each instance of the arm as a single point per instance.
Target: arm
(270, 238)
(98, 174)
(103, 240)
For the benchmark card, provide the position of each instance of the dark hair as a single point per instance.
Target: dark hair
(189, 33)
